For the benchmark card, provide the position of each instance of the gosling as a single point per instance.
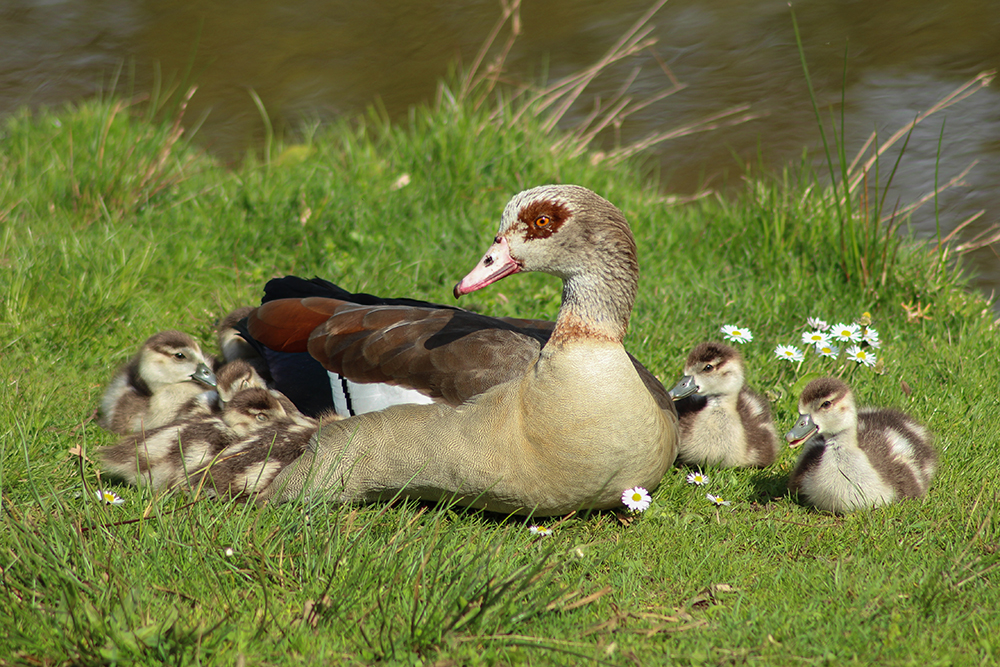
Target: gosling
(857, 458)
(171, 455)
(155, 386)
(722, 421)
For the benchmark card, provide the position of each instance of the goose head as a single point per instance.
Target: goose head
(826, 408)
(711, 369)
(253, 409)
(576, 235)
(172, 357)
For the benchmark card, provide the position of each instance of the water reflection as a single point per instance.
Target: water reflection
(316, 60)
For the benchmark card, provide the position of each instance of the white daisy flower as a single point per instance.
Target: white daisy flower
(636, 499)
(870, 336)
(697, 478)
(229, 552)
(827, 350)
(541, 531)
(108, 497)
(717, 500)
(855, 353)
(816, 337)
(736, 334)
(789, 352)
(817, 324)
(846, 332)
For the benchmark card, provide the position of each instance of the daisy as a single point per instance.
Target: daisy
(817, 324)
(736, 334)
(827, 350)
(717, 500)
(816, 337)
(789, 352)
(697, 478)
(636, 499)
(847, 332)
(855, 353)
(109, 497)
(870, 336)
(541, 531)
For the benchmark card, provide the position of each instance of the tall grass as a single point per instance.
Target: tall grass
(869, 237)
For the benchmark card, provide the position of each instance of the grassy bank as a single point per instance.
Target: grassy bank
(113, 229)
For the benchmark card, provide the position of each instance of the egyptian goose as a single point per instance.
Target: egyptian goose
(722, 421)
(857, 458)
(180, 452)
(524, 417)
(150, 390)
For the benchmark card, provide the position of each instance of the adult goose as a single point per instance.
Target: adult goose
(857, 458)
(722, 421)
(524, 417)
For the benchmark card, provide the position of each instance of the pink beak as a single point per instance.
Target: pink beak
(495, 264)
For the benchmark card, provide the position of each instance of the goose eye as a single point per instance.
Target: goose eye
(542, 221)
(826, 404)
(261, 417)
(179, 355)
(708, 367)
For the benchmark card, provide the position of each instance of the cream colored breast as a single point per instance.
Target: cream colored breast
(588, 406)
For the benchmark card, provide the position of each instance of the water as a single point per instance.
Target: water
(316, 60)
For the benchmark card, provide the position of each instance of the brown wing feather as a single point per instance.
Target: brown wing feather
(448, 354)
(286, 324)
(451, 355)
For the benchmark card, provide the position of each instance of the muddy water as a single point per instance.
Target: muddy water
(314, 60)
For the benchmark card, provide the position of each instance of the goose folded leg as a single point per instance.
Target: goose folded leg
(524, 417)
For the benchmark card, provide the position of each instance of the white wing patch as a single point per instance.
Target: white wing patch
(353, 398)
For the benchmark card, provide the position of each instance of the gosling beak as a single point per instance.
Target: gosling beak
(802, 430)
(204, 375)
(684, 388)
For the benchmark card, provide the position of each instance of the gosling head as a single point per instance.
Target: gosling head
(826, 408)
(235, 377)
(252, 409)
(172, 357)
(711, 369)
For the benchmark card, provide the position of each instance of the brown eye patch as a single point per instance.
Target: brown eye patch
(543, 218)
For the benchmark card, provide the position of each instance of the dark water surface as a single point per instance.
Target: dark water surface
(315, 60)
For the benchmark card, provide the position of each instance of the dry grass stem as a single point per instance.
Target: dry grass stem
(727, 118)
(964, 91)
(510, 11)
(910, 208)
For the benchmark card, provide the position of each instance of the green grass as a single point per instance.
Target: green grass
(112, 229)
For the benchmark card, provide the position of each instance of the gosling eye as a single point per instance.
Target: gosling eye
(542, 221)
(707, 368)
(261, 417)
(826, 404)
(179, 355)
